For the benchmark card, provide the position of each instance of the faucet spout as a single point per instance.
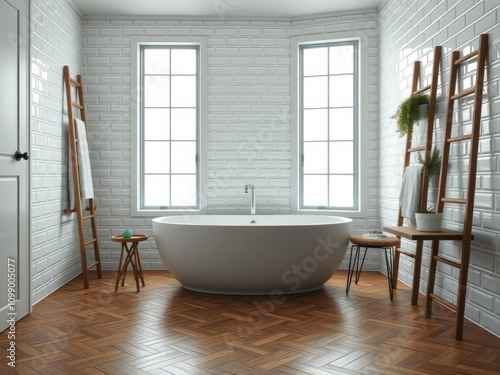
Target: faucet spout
(252, 198)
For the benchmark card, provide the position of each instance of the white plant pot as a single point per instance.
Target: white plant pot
(419, 129)
(424, 111)
(429, 222)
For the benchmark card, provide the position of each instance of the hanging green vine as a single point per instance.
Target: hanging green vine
(408, 113)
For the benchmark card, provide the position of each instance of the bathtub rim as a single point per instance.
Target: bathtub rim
(320, 220)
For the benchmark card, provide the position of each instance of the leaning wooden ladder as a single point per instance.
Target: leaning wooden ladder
(473, 138)
(78, 209)
(426, 149)
(446, 234)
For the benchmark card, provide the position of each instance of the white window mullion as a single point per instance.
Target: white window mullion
(170, 128)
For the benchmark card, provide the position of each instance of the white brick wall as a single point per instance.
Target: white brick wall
(408, 31)
(56, 39)
(248, 119)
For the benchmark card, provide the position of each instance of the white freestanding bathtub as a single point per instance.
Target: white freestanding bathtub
(252, 254)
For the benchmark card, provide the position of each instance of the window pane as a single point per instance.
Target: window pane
(184, 91)
(315, 190)
(341, 91)
(156, 61)
(156, 124)
(184, 124)
(183, 157)
(315, 124)
(184, 190)
(315, 92)
(315, 157)
(341, 157)
(342, 191)
(341, 59)
(183, 61)
(341, 124)
(315, 61)
(156, 157)
(156, 190)
(157, 91)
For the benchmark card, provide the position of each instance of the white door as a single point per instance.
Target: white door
(14, 174)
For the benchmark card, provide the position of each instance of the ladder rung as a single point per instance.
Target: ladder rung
(454, 200)
(461, 94)
(441, 300)
(87, 217)
(77, 105)
(418, 148)
(407, 253)
(86, 243)
(447, 261)
(466, 57)
(423, 89)
(89, 266)
(460, 138)
(69, 211)
(76, 83)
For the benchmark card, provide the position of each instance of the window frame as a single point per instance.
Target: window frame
(360, 116)
(137, 140)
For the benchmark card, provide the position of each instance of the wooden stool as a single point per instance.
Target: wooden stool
(370, 242)
(132, 257)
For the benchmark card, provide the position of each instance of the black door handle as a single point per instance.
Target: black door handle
(19, 155)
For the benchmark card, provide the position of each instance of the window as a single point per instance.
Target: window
(328, 106)
(328, 95)
(168, 127)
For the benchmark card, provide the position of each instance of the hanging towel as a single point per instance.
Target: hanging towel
(85, 174)
(409, 198)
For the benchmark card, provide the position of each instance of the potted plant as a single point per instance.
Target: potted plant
(428, 220)
(409, 113)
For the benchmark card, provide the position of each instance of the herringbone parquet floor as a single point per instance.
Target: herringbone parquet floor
(165, 329)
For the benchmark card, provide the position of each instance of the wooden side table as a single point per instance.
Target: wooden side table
(132, 257)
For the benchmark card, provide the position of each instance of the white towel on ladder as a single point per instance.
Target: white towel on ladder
(409, 198)
(85, 174)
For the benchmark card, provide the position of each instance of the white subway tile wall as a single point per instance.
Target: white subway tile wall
(408, 31)
(248, 119)
(56, 40)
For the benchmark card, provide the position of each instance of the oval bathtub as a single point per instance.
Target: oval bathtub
(252, 254)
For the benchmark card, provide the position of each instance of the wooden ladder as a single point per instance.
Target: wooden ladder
(81, 217)
(426, 148)
(468, 202)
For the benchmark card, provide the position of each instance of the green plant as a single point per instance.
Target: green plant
(428, 210)
(431, 163)
(408, 113)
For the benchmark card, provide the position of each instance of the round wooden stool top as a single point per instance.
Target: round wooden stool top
(135, 238)
(359, 239)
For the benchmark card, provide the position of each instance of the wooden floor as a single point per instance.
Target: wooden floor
(165, 329)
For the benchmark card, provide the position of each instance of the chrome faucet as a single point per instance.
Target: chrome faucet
(252, 198)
